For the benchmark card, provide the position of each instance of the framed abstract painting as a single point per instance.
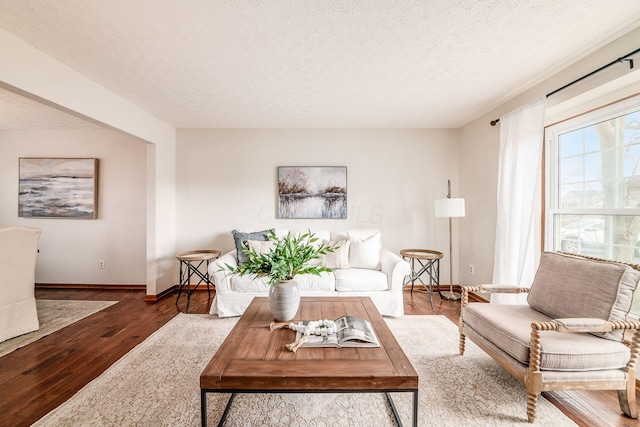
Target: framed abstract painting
(312, 192)
(58, 188)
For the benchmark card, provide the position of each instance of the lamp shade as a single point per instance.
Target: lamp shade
(450, 208)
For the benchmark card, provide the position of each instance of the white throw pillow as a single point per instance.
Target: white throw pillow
(365, 253)
(339, 258)
(353, 233)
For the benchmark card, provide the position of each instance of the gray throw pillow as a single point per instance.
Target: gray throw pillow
(240, 238)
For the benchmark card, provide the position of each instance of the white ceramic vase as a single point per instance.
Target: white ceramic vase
(284, 300)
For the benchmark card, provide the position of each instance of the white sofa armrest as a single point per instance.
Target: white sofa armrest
(395, 268)
(220, 277)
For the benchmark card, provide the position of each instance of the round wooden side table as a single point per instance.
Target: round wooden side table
(428, 262)
(190, 263)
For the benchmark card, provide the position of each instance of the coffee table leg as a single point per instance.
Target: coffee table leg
(395, 411)
(415, 408)
(203, 408)
(226, 410)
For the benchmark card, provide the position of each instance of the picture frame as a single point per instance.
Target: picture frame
(58, 187)
(312, 192)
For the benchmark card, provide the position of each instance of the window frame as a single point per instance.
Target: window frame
(551, 176)
(551, 163)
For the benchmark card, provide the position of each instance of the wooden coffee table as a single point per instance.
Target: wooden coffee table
(252, 359)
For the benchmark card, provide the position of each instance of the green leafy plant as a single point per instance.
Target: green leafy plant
(289, 257)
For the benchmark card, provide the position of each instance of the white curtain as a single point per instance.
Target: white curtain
(521, 138)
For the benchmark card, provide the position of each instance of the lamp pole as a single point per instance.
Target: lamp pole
(450, 295)
(452, 209)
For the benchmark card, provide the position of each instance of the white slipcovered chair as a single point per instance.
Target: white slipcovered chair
(18, 251)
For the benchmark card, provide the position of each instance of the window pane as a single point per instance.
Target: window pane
(631, 160)
(591, 140)
(603, 236)
(572, 196)
(593, 166)
(609, 152)
(587, 195)
(571, 169)
(570, 143)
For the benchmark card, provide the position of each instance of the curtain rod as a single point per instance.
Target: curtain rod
(622, 59)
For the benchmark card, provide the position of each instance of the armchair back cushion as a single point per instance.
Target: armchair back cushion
(567, 286)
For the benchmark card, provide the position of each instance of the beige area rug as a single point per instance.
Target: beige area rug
(157, 384)
(54, 315)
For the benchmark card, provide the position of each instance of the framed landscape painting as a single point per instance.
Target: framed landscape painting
(312, 192)
(58, 188)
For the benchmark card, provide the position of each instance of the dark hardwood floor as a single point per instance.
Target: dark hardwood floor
(37, 378)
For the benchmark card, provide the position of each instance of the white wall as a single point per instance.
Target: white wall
(479, 149)
(480, 145)
(227, 179)
(70, 249)
(32, 73)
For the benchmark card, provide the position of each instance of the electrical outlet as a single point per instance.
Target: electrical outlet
(101, 263)
(471, 268)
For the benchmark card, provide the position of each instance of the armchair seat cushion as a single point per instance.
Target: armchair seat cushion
(509, 328)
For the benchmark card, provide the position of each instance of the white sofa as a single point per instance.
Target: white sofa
(18, 252)
(371, 271)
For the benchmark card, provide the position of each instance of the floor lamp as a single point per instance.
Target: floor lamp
(450, 208)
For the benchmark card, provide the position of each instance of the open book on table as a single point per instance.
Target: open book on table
(352, 332)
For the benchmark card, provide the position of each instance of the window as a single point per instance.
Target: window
(593, 185)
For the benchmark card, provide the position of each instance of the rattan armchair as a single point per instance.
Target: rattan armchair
(570, 336)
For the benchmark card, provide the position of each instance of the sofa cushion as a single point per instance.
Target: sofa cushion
(567, 286)
(240, 237)
(357, 233)
(248, 283)
(360, 279)
(365, 252)
(509, 327)
(339, 258)
(325, 282)
(320, 235)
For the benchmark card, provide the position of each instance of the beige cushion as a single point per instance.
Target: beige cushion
(360, 279)
(509, 327)
(567, 286)
(322, 236)
(261, 247)
(339, 258)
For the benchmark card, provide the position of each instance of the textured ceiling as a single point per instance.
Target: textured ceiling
(18, 112)
(318, 63)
